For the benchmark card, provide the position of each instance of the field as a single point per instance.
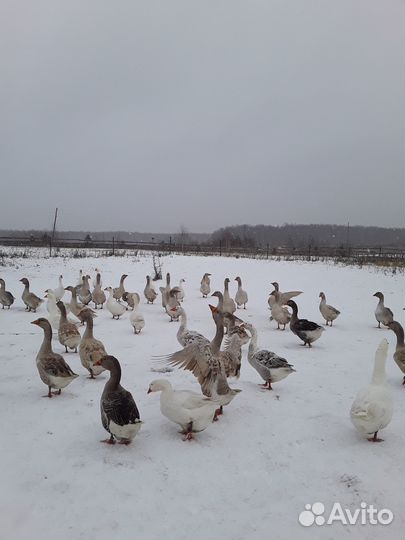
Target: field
(249, 475)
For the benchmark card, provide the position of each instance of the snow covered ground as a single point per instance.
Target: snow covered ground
(249, 475)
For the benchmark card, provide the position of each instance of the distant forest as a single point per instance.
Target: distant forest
(289, 235)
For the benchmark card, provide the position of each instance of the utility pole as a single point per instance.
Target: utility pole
(53, 232)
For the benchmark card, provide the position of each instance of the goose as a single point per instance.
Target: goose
(149, 291)
(230, 320)
(284, 297)
(399, 354)
(165, 291)
(271, 367)
(241, 296)
(60, 290)
(98, 295)
(68, 334)
(136, 318)
(205, 287)
(307, 331)
(31, 300)
(90, 349)
(52, 368)
(54, 313)
(132, 299)
(119, 413)
(231, 356)
(279, 313)
(114, 307)
(382, 314)
(373, 406)
(172, 304)
(228, 303)
(74, 306)
(192, 412)
(185, 336)
(119, 291)
(202, 359)
(6, 298)
(80, 279)
(329, 313)
(181, 294)
(84, 291)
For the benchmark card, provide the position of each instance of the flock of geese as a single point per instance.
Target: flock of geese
(211, 365)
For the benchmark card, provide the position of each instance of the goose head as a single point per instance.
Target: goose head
(158, 385)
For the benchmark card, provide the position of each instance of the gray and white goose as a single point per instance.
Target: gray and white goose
(271, 367)
(279, 313)
(383, 314)
(205, 286)
(6, 298)
(228, 303)
(241, 296)
(149, 291)
(119, 414)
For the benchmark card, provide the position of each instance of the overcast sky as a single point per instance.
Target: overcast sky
(144, 115)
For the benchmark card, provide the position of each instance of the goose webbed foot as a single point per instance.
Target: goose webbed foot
(374, 438)
(108, 441)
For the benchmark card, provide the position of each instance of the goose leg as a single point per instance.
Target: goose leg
(91, 374)
(189, 435)
(403, 382)
(49, 394)
(374, 438)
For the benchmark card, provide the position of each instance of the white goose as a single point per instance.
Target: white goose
(114, 307)
(279, 313)
(181, 294)
(136, 318)
(373, 407)
(191, 411)
(284, 297)
(60, 290)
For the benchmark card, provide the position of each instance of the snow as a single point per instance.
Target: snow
(247, 476)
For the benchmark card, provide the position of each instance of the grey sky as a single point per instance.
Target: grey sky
(147, 115)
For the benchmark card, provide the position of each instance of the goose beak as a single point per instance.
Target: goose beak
(213, 309)
(149, 391)
(35, 322)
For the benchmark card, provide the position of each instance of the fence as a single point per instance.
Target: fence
(115, 246)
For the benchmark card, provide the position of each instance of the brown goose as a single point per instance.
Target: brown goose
(68, 334)
(31, 300)
(90, 349)
(399, 354)
(149, 291)
(228, 302)
(52, 368)
(132, 299)
(98, 295)
(119, 291)
(119, 413)
(84, 291)
(6, 298)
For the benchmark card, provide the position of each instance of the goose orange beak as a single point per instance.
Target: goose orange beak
(35, 322)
